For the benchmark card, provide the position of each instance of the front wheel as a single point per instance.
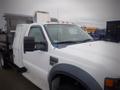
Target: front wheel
(66, 83)
(70, 87)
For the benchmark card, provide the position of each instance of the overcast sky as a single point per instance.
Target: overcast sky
(91, 11)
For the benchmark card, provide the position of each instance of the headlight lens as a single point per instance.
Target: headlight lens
(112, 84)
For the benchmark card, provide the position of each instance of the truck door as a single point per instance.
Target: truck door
(37, 61)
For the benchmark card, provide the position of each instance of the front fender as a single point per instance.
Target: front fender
(76, 73)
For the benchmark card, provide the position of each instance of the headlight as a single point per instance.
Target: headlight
(112, 84)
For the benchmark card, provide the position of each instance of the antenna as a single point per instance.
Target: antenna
(58, 13)
(58, 21)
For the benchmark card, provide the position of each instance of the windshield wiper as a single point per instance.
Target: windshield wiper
(72, 42)
(87, 40)
(68, 42)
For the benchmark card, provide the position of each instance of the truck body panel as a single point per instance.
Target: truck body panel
(95, 57)
(18, 45)
(37, 62)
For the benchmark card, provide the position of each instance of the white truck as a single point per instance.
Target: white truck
(64, 57)
(57, 56)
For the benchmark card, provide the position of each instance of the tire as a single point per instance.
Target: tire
(69, 87)
(65, 83)
(1, 62)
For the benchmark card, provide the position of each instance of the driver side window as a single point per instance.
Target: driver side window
(37, 33)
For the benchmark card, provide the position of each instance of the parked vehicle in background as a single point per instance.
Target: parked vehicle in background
(96, 33)
(99, 34)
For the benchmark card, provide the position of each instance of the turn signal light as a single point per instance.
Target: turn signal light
(109, 83)
(112, 84)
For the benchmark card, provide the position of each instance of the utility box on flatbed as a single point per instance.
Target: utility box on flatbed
(41, 17)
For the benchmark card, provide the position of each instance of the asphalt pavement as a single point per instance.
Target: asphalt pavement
(11, 80)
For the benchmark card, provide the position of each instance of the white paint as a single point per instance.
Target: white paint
(18, 46)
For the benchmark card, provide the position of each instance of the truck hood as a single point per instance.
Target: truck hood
(102, 56)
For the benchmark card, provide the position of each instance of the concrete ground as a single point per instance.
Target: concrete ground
(11, 80)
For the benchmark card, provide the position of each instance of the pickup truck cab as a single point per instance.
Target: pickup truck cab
(64, 57)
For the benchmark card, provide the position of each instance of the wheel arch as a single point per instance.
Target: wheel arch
(76, 73)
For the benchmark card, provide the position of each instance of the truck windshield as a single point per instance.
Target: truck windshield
(66, 34)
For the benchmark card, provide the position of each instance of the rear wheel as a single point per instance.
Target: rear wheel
(1, 62)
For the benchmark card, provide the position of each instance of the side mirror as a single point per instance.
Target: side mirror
(29, 44)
